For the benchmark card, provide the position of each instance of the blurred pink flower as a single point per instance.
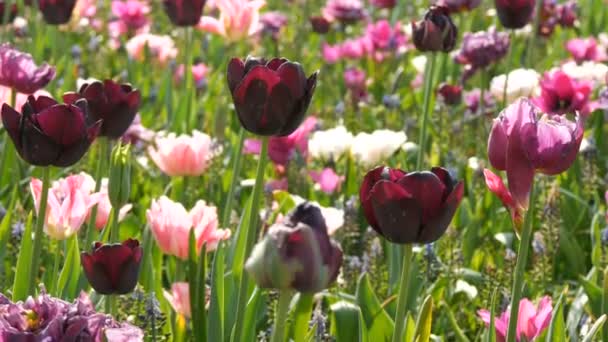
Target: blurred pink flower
(137, 134)
(19, 71)
(179, 298)
(345, 11)
(531, 321)
(104, 206)
(68, 205)
(199, 73)
(131, 14)
(561, 94)
(171, 225)
(327, 180)
(585, 49)
(183, 155)
(238, 19)
(86, 11)
(5, 96)
(162, 48)
(281, 149)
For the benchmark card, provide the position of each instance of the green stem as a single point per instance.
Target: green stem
(188, 78)
(509, 57)
(250, 233)
(236, 170)
(38, 235)
(534, 35)
(280, 317)
(520, 266)
(55, 275)
(428, 88)
(403, 293)
(302, 317)
(104, 151)
(113, 225)
(110, 305)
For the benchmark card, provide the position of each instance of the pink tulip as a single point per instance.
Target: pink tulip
(585, 49)
(199, 74)
(238, 19)
(183, 155)
(68, 205)
(131, 14)
(561, 94)
(171, 225)
(327, 180)
(162, 48)
(523, 140)
(179, 298)
(281, 149)
(531, 321)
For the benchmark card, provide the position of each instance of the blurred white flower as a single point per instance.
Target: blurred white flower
(372, 149)
(419, 63)
(409, 147)
(82, 81)
(587, 71)
(466, 288)
(522, 83)
(475, 164)
(330, 144)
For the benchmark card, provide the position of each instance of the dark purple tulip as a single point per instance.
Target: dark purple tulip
(450, 94)
(115, 104)
(481, 49)
(271, 98)
(12, 12)
(56, 12)
(19, 71)
(296, 254)
(113, 268)
(414, 207)
(456, 6)
(48, 133)
(320, 24)
(514, 14)
(272, 22)
(436, 32)
(184, 12)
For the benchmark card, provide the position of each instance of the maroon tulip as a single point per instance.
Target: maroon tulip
(56, 12)
(523, 140)
(270, 98)
(384, 3)
(115, 104)
(450, 94)
(113, 268)
(456, 6)
(436, 32)
(414, 207)
(47, 133)
(296, 254)
(319, 24)
(12, 13)
(184, 12)
(19, 71)
(514, 14)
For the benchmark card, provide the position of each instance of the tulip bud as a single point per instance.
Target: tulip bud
(449, 94)
(436, 32)
(296, 254)
(119, 186)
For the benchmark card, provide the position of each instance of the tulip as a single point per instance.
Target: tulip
(481, 49)
(344, 11)
(560, 94)
(270, 98)
(496, 185)
(56, 12)
(171, 225)
(115, 104)
(514, 14)
(68, 205)
(238, 19)
(531, 321)
(523, 141)
(182, 155)
(472, 101)
(179, 298)
(319, 24)
(414, 207)
(521, 82)
(436, 32)
(272, 23)
(162, 48)
(585, 49)
(384, 3)
(184, 12)
(330, 144)
(296, 254)
(47, 133)
(19, 71)
(113, 268)
(327, 180)
(449, 94)
(369, 149)
(456, 6)
(131, 14)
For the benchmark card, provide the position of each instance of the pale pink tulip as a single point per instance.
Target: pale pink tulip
(238, 19)
(162, 48)
(183, 155)
(327, 180)
(171, 225)
(531, 321)
(179, 298)
(68, 205)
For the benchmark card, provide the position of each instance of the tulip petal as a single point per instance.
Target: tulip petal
(11, 120)
(398, 215)
(427, 189)
(437, 225)
(96, 274)
(235, 73)
(520, 173)
(497, 146)
(293, 76)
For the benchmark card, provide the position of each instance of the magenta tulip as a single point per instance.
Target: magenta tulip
(19, 71)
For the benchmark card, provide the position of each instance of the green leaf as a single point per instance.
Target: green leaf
(425, 320)
(197, 288)
(491, 336)
(346, 323)
(557, 327)
(237, 252)
(253, 309)
(379, 324)
(594, 293)
(215, 328)
(410, 329)
(24, 263)
(68, 278)
(5, 230)
(302, 316)
(594, 329)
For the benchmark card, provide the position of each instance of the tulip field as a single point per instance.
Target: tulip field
(303, 170)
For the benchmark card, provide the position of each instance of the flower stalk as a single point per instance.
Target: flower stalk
(280, 318)
(38, 235)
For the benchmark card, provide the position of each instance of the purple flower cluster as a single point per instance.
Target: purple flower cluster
(344, 11)
(481, 49)
(45, 318)
(554, 14)
(379, 41)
